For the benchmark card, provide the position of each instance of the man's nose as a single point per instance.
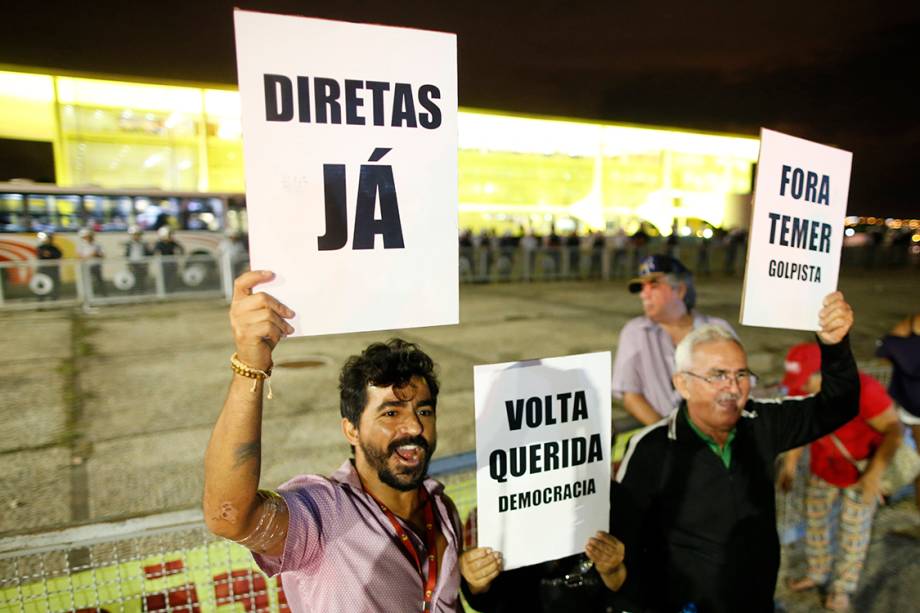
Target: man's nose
(734, 384)
(411, 424)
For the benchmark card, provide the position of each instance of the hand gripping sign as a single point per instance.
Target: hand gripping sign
(800, 200)
(542, 456)
(350, 143)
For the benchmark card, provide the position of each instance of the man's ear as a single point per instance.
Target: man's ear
(680, 384)
(681, 290)
(350, 431)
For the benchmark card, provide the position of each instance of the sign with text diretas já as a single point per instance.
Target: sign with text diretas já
(800, 201)
(542, 456)
(350, 149)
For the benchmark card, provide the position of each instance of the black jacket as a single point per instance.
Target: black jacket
(704, 533)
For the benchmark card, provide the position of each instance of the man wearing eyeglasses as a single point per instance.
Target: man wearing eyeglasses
(701, 481)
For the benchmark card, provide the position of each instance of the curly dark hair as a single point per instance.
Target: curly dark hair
(394, 362)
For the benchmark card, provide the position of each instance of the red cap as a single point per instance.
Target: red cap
(802, 361)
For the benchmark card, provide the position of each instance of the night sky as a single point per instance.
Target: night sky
(835, 72)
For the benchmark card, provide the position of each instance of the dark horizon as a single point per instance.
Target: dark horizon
(838, 75)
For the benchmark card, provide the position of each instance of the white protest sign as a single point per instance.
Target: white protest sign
(350, 146)
(800, 201)
(542, 456)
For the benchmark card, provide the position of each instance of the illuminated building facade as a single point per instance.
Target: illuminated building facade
(514, 171)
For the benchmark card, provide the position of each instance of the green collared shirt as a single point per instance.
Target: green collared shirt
(724, 452)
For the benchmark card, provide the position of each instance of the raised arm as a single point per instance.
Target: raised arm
(234, 507)
(804, 420)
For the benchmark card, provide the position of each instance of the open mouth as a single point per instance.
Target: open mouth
(410, 455)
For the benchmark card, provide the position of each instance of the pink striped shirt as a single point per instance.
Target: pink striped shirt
(342, 554)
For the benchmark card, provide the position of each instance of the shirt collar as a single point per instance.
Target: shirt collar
(724, 452)
(706, 438)
(698, 320)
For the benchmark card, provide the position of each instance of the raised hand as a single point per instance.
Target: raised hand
(479, 567)
(835, 318)
(257, 320)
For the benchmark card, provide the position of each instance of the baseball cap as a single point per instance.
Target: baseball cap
(653, 266)
(802, 361)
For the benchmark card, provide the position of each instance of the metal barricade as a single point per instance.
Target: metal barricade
(33, 284)
(119, 281)
(167, 562)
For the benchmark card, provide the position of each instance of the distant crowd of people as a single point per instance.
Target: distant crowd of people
(489, 254)
(591, 254)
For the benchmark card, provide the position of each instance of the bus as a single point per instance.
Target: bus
(200, 219)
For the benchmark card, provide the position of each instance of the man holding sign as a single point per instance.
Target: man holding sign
(543, 433)
(377, 535)
(702, 481)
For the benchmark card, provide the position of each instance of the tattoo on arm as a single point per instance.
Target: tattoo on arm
(246, 452)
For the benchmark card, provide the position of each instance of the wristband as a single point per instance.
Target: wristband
(245, 370)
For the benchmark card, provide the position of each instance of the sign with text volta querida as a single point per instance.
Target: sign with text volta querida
(542, 456)
(800, 201)
(350, 146)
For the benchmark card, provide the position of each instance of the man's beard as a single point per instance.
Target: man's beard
(409, 478)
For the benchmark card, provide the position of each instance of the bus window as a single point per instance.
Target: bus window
(40, 210)
(12, 216)
(97, 210)
(123, 215)
(68, 213)
(236, 215)
(153, 214)
(201, 214)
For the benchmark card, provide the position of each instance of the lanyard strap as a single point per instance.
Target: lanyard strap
(430, 540)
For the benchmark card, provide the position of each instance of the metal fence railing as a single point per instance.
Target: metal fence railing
(40, 283)
(44, 283)
(167, 562)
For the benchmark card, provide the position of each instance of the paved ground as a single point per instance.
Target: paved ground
(107, 415)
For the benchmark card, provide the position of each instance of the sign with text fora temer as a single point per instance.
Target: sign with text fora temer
(350, 149)
(542, 456)
(800, 201)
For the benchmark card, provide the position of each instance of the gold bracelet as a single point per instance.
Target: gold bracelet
(245, 370)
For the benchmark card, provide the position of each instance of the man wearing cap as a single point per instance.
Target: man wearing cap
(873, 436)
(644, 363)
(91, 254)
(700, 527)
(47, 250)
(137, 253)
(167, 246)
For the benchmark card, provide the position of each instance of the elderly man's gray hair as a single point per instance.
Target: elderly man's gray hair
(683, 355)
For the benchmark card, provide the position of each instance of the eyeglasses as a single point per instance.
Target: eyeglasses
(724, 377)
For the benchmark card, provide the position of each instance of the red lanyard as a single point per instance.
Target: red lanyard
(431, 540)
